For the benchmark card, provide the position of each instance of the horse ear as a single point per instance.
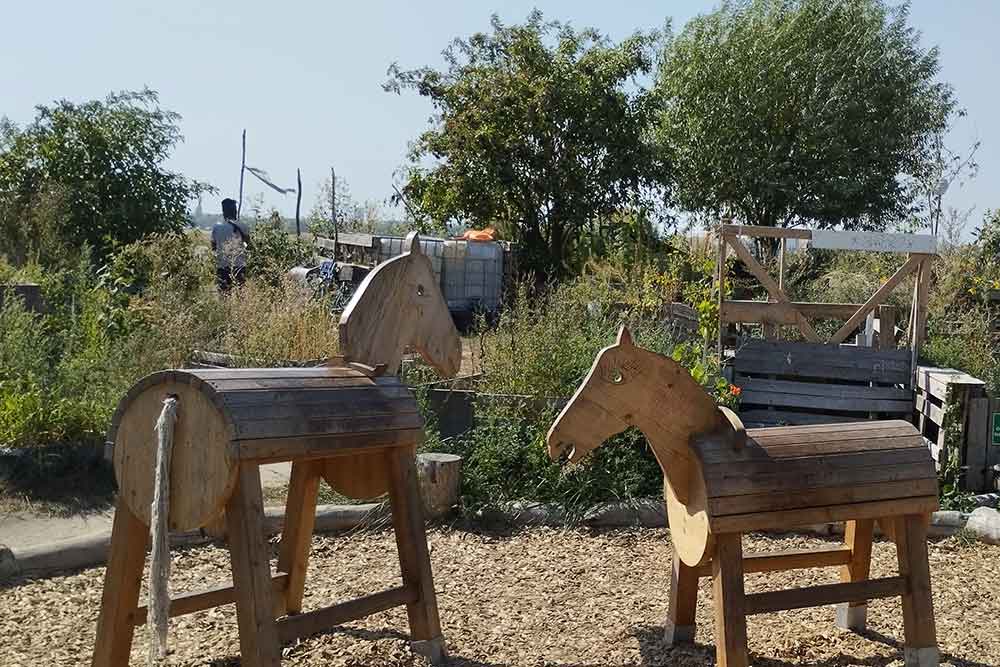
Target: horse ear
(412, 243)
(624, 336)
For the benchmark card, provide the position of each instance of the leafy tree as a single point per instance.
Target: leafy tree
(781, 111)
(90, 173)
(539, 130)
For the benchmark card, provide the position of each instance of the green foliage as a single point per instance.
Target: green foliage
(90, 173)
(541, 132)
(788, 111)
(273, 251)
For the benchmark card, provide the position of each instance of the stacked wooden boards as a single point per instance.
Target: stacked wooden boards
(797, 475)
(807, 383)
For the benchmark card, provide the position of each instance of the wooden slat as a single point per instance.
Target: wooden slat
(212, 374)
(783, 453)
(813, 476)
(874, 241)
(937, 380)
(189, 603)
(768, 232)
(807, 367)
(795, 418)
(817, 596)
(826, 390)
(370, 406)
(777, 501)
(803, 517)
(750, 312)
(924, 405)
(344, 424)
(339, 394)
(792, 559)
(772, 287)
(274, 384)
(876, 299)
(977, 445)
(839, 429)
(273, 450)
(320, 620)
(754, 396)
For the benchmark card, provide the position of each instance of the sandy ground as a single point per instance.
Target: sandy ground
(539, 598)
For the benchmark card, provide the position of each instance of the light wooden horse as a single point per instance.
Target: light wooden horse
(398, 305)
(721, 481)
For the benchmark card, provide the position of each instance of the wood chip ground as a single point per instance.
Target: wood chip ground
(538, 598)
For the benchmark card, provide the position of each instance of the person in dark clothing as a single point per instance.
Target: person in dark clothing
(230, 239)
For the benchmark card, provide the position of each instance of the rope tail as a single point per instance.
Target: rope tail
(159, 569)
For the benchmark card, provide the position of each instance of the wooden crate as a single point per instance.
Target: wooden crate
(935, 388)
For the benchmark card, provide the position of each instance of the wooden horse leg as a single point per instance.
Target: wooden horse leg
(414, 560)
(730, 601)
(252, 571)
(857, 536)
(680, 626)
(920, 637)
(296, 536)
(122, 581)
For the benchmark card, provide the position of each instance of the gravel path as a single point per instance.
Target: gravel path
(539, 598)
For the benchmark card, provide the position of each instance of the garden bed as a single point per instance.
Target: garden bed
(538, 597)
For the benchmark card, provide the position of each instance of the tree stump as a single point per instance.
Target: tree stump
(440, 481)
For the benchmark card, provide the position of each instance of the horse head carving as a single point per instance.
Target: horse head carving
(399, 304)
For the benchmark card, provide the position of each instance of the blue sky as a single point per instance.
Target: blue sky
(304, 78)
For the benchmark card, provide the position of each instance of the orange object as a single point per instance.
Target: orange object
(488, 234)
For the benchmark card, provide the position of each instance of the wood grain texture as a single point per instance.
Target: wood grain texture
(817, 596)
(792, 559)
(399, 304)
(203, 467)
(251, 572)
(122, 582)
(683, 602)
(910, 535)
(296, 535)
(730, 602)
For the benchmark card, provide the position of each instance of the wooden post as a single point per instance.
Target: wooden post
(251, 572)
(920, 291)
(298, 203)
(721, 271)
(730, 602)
(886, 327)
(296, 536)
(857, 536)
(243, 168)
(680, 626)
(122, 581)
(414, 559)
(920, 636)
(333, 210)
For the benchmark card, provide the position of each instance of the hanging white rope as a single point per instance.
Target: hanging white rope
(159, 567)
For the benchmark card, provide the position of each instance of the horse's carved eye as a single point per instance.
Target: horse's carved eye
(420, 290)
(616, 376)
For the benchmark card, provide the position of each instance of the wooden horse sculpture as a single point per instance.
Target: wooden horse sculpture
(721, 481)
(397, 306)
(349, 422)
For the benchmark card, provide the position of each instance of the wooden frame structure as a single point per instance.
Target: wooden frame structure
(781, 310)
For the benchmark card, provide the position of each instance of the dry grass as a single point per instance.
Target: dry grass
(536, 598)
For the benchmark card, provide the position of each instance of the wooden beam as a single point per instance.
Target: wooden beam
(772, 288)
(721, 272)
(310, 623)
(830, 239)
(793, 559)
(803, 517)
(817, 596)
(189, 603)
(747, 311)
(920, 292)
(876, 299)
(767, 232)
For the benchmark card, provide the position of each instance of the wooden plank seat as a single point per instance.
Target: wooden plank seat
(722, 480)
(808, 383)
